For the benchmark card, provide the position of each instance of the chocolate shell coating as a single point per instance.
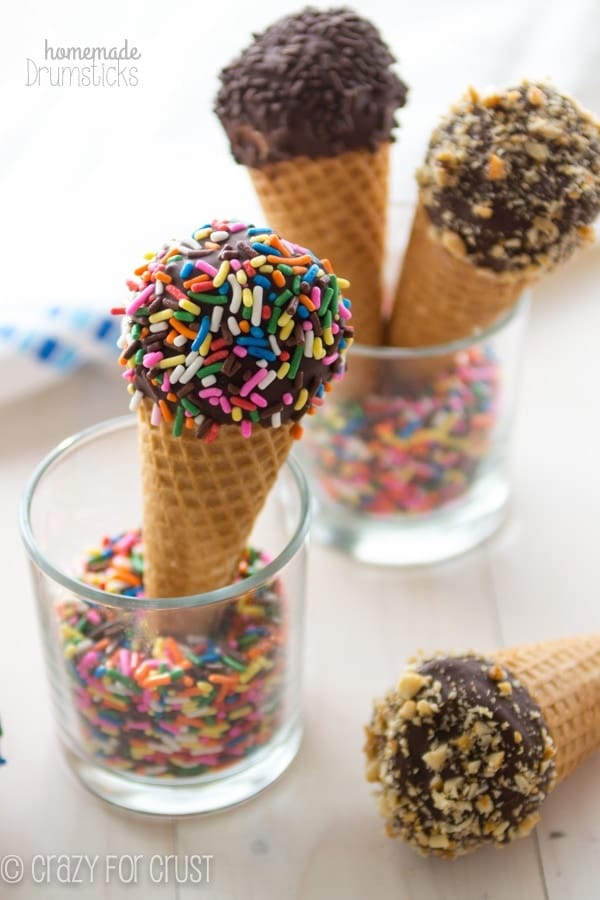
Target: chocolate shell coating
(316, 83)
(235, 326)
(512, 180)
(462, 754)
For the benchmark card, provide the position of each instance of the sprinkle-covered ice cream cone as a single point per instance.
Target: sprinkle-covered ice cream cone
(509, 188)
(230, 339)
(466, 748)
(309, 108)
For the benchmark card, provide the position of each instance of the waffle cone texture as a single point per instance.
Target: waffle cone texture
(337, 207)
(440, 297)
(200, 503)
(563, 677)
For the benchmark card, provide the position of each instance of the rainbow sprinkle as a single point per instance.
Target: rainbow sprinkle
(161, 707)
(235, 326)
(394, 452)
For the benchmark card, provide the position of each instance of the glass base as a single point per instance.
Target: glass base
(189, 797)
(405, 540)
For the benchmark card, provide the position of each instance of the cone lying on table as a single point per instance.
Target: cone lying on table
(309, 108)
(510, 185)
(466, 748)
(563, 677)
(230, 339)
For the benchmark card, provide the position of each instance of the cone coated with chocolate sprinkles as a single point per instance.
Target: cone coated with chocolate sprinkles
(232, 336)
(309, 109)
(508, 190)
(466, 748)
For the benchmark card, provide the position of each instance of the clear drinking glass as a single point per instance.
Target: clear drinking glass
(408, 458)
(158, 722)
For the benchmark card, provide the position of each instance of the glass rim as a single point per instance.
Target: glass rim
(386, 352)
(104, 598)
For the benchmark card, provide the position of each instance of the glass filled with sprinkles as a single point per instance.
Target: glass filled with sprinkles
(409, 457)
(177, 706)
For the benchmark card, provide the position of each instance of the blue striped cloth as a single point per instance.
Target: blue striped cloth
(54, 342)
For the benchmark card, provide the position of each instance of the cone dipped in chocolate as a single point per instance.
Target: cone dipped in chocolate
(309, 108)
(508, 190)
(230, 339)
(466, 748)
(440, 296)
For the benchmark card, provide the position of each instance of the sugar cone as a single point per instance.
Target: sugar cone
(563, 677)
(337, 207)
(200, 502)
(440, 297)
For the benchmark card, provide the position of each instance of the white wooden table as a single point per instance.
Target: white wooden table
(315, 835)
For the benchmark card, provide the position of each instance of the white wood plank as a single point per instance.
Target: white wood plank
(545, 560)
(568, 835)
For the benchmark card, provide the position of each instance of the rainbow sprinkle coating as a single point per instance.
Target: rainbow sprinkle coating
(156, 706)
(235, 326)
(394, 452)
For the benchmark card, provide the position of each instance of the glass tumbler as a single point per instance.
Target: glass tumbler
(408, 459)
(168, 707)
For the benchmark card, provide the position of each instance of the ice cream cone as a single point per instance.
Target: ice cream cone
(467, 747)
(337, 206)
(563, 677)
(224, 348)
(309, 108)
(198, 511)
(508, 190)
(442, 298)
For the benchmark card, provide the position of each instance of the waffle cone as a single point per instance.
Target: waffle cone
(441, 298)
(200, 503)
(337, 207)
(563, 677)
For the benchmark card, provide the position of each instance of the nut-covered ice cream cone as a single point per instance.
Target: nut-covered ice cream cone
(309, 108)
(508, 190)
(330, 204)
(442, 298)
(466, 748)
(230, 339)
